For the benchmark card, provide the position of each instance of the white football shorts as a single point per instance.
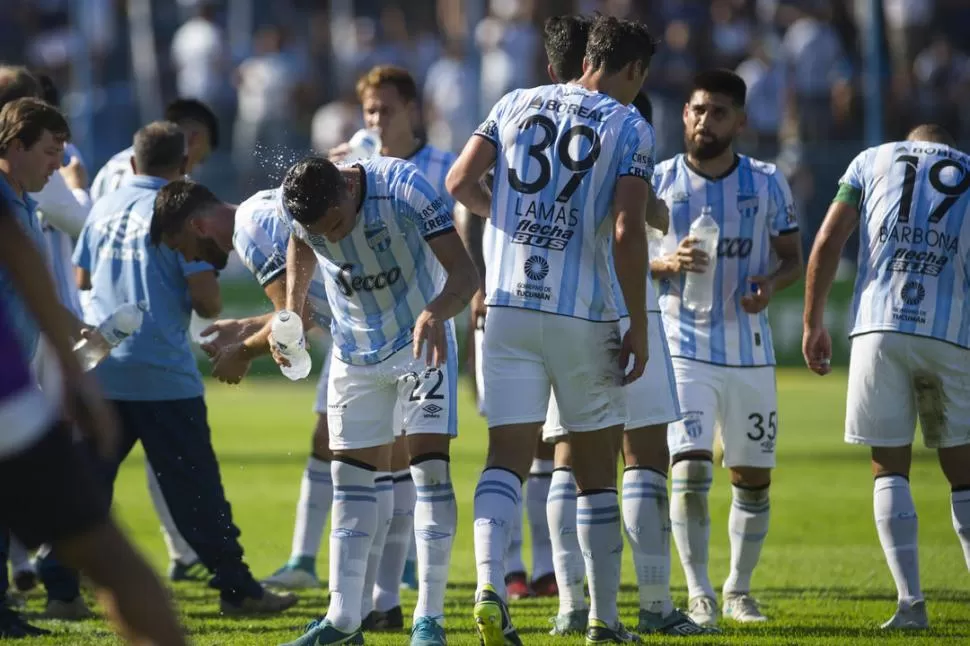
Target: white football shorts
(479, 340)
(650, 400)
(527, 352)
(897, 378)
(740, 402)
(323, 383)
(369, 406)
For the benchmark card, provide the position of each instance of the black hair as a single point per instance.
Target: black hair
(614, 43)
(159, 148)
(643, 106)
(311, 187)
(565, 38)
(182, 110)
(175, 204)
(722, 81)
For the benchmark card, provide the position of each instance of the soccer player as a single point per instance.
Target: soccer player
(572, 174)
(191, 220)
(396, 273)
(201, 129)
(723, 360)
(650, 408)
(49, 490)
(152, 377)
(910, 356)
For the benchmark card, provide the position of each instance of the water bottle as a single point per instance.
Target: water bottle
(365, 144)
(699, 287)
(124, 322)
(288, 336)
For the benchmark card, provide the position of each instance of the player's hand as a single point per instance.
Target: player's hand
(689, 257)
(225, 332)
(74, 174)
(86, 408)
(338, 153)
(817, 350)
(761, 291)
(478, 310)
(231, 363)
(430, 339)
(634, 344)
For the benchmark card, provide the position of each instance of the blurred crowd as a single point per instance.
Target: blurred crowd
(281, 74)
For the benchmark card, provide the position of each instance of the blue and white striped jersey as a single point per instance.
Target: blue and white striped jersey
(435, 164)
(914, 244)
(381, 276)
(114, 170)
(560, 151)
(60, 247)
(752, 204)
(261, 238)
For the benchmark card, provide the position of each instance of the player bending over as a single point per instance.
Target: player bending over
(910, 357)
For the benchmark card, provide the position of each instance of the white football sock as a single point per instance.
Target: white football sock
(384, 490)
(513, 555)
(747, 529)
(690, 522)
(646, 518)
(312, 509)
(353, 525)
(896, 525)
(19, 556)
(567, 557)
(497, 504)
(177, 547)
(598, 524)
(435, 523)
(960, 509)
(537, 492)
(387, 591)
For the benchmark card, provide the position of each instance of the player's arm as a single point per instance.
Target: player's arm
(630, 253)
(658, 215)
(259, 328)
(462, 281)
(62, 207)
(465, 179)
(301, 262)
(472, 230)
(823, 262)
(204, 292)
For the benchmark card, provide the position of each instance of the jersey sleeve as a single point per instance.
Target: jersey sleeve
(637, 150)
(488, 129)
(855, 174)
(262, 249)
(82, 250)
(782, 214)
(190, 267)
(420, 205)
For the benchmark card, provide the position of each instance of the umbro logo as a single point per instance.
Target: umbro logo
(432, 411)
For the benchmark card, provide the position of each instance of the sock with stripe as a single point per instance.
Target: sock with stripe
(567, 557)
(312, 509)
(537, 493)
(387, 590)
(896, 525)
(960, 509)
(646, 518)
(513, 555)
(353, 527)
(384, 491)
(690, 522)
(601, 539)
(747, 529)
(435, 522)
(497, 504)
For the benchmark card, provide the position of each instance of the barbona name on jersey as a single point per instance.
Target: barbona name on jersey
(560, 150)
(914, 249)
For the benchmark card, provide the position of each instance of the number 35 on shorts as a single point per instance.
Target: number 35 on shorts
(764, 430)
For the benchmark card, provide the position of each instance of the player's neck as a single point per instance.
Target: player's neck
(404, 148)
(600, 81)
(715, 167)
(353, 177)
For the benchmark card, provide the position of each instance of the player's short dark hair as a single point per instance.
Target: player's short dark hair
(614, 43)
(16, 83)
(26, 119)
(721, 81)
(933, 132)
(311, 187)
(181, 110)
(565, 38)
(391, 75)
(644, 106)
(159, 148)
(175, 204)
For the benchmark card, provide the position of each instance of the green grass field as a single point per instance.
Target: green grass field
(822, 577)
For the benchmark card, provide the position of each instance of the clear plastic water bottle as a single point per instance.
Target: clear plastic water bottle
(365, 144)
(124, 322)
(699, 287)
(288, 336)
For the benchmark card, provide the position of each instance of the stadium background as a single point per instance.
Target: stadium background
(825, 80)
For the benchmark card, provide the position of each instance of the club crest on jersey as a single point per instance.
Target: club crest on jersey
(748, 205)
(377, 236)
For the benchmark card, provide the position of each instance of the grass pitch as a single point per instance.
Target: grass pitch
(822, 578)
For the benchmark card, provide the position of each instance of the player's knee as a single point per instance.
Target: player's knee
(512, 448)
(562, 454)
(891, 460)
(321, 440)
(692, 478)
(752, 478)
(647, 447)
(428, 446)
(955, 462)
